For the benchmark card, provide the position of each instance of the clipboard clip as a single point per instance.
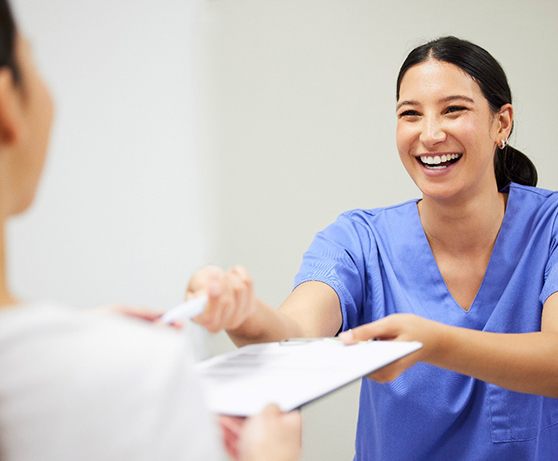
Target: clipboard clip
(299, 341)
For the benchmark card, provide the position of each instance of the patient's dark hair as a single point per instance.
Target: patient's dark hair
(7, 40)
(509, 163)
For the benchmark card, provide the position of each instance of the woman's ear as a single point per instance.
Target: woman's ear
(11, 117)
(505, 121)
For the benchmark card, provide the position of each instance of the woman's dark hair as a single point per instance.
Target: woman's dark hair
(7, 40)
(509, 163)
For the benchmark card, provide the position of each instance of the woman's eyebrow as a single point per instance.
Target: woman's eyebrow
(457, 96)
(411, 102)
(406, 103)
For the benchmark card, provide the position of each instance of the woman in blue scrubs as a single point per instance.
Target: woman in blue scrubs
(470, 270)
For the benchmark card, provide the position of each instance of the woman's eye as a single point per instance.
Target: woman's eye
(408, 113)
(455, 109)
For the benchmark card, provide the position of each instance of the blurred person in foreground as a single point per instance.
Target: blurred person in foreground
(90, 385)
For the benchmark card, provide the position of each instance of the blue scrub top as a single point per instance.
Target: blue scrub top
(380, 262)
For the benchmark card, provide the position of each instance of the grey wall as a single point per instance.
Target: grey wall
(301, 116)
(121, 212)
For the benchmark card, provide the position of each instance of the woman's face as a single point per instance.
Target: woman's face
(33, 115)
(446, 132)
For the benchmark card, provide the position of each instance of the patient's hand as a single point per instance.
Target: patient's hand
(231, 428)
(142, 313)
(271, 435)
(149, 315)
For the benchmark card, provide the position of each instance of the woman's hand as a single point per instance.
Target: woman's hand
(399, 327)
(230, 296)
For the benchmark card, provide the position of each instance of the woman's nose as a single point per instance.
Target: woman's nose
(432, 132)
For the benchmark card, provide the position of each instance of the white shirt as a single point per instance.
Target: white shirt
(84, 386)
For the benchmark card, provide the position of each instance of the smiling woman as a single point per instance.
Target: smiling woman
(442, 113)
(470, 270)
(480, 86)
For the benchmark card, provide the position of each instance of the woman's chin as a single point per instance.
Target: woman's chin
(440, 191)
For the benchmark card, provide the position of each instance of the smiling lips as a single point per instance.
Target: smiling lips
(438, 161)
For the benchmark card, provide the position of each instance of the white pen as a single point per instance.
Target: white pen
(185, 311)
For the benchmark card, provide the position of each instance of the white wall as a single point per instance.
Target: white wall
(121, 212)
(302, 116)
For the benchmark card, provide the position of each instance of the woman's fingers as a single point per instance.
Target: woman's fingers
(398, 327)
(232, 423)
(231, 428)
(230, 297)
(219, 303)
(201, 280)
(386, 328)
(244, 296)
(236, 300)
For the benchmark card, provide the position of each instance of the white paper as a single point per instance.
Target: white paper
(292, 373)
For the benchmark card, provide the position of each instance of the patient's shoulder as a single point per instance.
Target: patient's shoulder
(119, 387)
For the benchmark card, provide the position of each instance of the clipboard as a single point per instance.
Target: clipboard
(290, 373)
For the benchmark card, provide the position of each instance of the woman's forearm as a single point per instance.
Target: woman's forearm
(265, 324)
(312, 309)
(525, 362)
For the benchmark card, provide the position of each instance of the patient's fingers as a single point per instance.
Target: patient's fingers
(231, 428)
(271, 435)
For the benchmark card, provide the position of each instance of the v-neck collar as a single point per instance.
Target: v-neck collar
(497, 272)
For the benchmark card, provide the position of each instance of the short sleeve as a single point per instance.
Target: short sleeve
(550, 285)
(336, 258)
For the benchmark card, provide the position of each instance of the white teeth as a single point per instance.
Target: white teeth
(437, 159)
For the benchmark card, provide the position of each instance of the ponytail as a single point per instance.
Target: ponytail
(511, 165)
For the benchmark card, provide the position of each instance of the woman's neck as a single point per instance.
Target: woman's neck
(469, 225)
